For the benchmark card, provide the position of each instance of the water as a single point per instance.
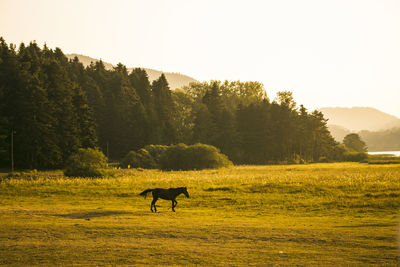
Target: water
(395, 153)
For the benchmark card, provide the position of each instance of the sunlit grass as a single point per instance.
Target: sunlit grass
(300, 214)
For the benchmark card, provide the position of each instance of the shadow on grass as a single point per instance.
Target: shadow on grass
(92, 214)
(211, 189)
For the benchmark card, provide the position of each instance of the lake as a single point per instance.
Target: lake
(395, 153)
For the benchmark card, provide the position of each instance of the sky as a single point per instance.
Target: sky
(328, 53)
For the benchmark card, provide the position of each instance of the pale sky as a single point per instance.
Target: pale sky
(328, 53)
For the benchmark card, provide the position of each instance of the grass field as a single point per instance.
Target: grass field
(318, 214)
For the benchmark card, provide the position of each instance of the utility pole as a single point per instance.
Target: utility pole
(107, 151)
(12, 150)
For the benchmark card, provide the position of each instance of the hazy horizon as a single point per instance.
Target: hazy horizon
(329, 54)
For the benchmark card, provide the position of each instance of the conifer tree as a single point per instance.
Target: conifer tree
(204, 126)
(30, 114)
(140, 82)
(60, 94)
(86, 124)
(165, 110)
(254, 131)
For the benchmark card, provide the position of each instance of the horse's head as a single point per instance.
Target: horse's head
(184, 190)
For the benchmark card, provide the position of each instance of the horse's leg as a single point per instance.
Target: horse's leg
(174, 202)
(173, 205)
(153, 203)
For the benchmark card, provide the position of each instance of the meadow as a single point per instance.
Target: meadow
(316, 214)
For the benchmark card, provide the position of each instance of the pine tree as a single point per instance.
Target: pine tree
(83, 110)
(304, 142)
(254, 131)
(284, 116)
(214, 103)
(86, 124)
(8, 68)
(95, 84)
(204, 126)
(60, 94)
(124, 115)
(165, 110)
(323, 144)
(139, 80)
(30, 116)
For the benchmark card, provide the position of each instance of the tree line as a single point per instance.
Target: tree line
(51, 106)
(238, 118)
(385, 140)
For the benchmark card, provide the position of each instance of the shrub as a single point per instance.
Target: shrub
(207, 157)
(177, 157)
(156, 151)
(139, 159)
(323, 159)
(193, 157)
(86, 162)
(355, 156)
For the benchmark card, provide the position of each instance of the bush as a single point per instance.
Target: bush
(156, 151)
(139, 159)
(177, 157)
(86, 162)
(203, 156)
(193, 157)
(323, 159)
(355, 156)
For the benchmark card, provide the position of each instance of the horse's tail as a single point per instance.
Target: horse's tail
(145, 192)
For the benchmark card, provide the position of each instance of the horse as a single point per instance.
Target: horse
(167, 194)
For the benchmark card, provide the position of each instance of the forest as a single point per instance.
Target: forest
(51, 106)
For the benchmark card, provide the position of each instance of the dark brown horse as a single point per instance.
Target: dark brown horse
(167, 194)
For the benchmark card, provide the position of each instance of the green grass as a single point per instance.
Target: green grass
(318, 214)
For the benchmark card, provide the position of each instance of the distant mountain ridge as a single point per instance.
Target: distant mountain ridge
(360, 118)
(379, 130)
(175, 80)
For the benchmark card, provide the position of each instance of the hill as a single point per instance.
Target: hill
(360, 118)
(338, 132)
(387, 140)
(175, 80)
(380, 131)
